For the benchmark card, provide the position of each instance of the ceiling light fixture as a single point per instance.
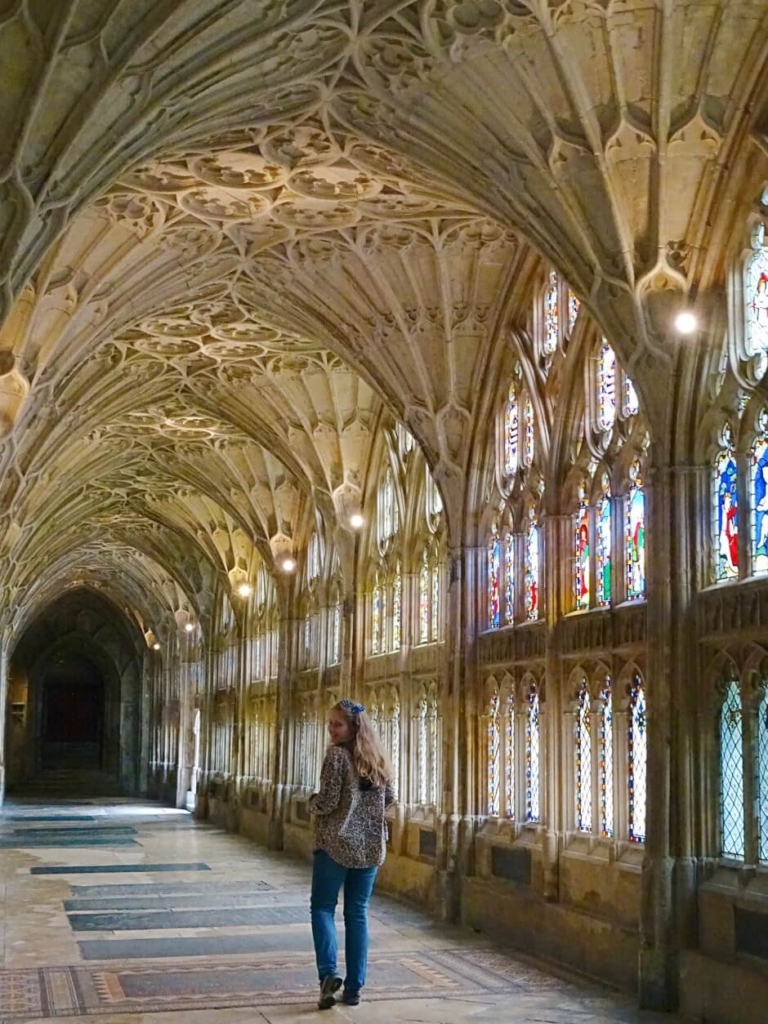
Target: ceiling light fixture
(686, 323)
(190, 627)
(155, 647)
(356, 521)
(287, 565)
(245, 590)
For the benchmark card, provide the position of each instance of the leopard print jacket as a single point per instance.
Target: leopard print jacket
(349, 818)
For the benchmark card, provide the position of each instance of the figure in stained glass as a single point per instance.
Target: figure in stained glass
(635, 536)
(759, 496)
(509, 579)
(756, 295)
(581, 552)
(494, 565)
(532, 569)
(603, 545)
(726, 510)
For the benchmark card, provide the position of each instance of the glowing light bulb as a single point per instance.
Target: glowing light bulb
(288, 565)
(190, 627)
(155, 647)
(356, 521)
(686, 323)
(245, 590)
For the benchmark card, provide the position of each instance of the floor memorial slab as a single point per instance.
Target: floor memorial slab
(110, 869)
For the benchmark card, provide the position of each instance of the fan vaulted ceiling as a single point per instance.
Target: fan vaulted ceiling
(232, 232)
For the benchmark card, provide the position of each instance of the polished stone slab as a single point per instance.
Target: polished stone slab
(66, 830)
(299, 940)
(219, 900)
(220, 918)
(110, 869)
(166, 888)
(64, 842)
(46, 817)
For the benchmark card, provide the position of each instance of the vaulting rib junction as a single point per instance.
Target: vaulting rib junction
(338, 357)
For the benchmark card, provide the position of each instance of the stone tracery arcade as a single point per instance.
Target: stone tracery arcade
(242, 243)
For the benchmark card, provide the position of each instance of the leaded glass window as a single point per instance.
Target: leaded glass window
(725, 502)
(336, 633)
(509, 757)
(376, 618)
(435, 573)
(759, 496)
(509, 578)
(313, 561)
(404, 440)
(512, 433)
(606, 761)
(582, 571)
(762, 775)
(638, 757)
(583, 760)
(603, 544)
(630, 402)
(397, 609)
(493, 756)
(494, 565)
(389, 515)
(551, 314)
(606, 387)
(529, 441)
(731, 774)
(634, 535)
(532, 569)
(532, 766)
(424, 599)
(756, 295)
(574, 305)
(423, 751)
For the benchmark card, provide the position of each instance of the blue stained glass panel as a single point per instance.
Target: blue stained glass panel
(759, 482)
(494, 566)
(726, 518)
(635, 539)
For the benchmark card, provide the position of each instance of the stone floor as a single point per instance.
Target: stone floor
(134, 913)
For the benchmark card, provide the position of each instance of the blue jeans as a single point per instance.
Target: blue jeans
(327, 878)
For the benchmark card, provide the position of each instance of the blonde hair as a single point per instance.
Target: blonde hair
(368, 754)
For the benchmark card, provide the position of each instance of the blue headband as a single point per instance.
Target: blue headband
(354, 709)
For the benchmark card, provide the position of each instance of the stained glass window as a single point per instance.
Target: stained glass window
(532, 569)
(404, 439)
(389, 515)
(509, 757)
(574, 305)
(731, 774)
(376, 617)
(638, 751)
(435, 603)
(511, 433)
(529, 442)
(635, 535)
(384, 620)
(762, 774)
(581, 580)
(603, 544)
(307, 640)
(509, 578)
(725, 501)
(397, 609)
(583, 760)
(606, 761)
(756, 295)
(630, 402)
(494, 565)
(551, 314)
(759, 495)
(336, 633)
(424, 599)
(606, 387)
(423, 750)
(394, 746)
(532, 808)
(493, 756)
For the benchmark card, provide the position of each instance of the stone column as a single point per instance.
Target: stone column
(3, 714)
(280, 761)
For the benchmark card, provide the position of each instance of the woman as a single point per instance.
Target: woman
(350, 844)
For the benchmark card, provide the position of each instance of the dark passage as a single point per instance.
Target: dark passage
(73, 715)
